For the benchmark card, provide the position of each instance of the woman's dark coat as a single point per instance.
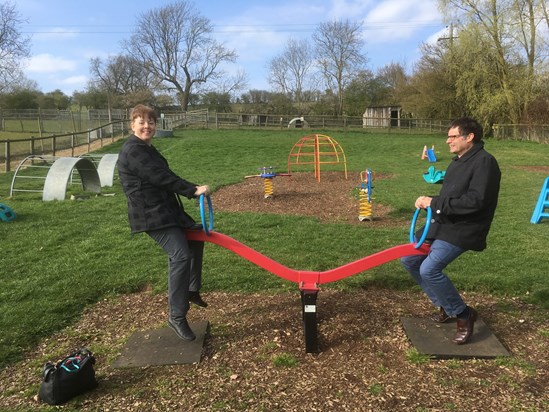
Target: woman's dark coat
(151, 188)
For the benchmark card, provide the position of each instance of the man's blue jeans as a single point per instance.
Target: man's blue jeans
(184, 267)
(427, 271)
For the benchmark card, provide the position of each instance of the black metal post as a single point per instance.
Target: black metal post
(308, 303)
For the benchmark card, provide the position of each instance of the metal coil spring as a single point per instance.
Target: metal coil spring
(268, 187)
(365, 206)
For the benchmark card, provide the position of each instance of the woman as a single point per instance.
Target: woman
(154, 207)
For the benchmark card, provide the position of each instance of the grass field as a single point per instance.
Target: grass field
(58, 257)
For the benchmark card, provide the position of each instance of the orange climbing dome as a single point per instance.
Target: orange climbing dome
(317, 149)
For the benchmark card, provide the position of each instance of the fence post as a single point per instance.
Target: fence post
(32, 145)
(40, 131)
(8, 157)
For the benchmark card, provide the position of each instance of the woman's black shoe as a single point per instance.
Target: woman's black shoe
(182, 329)
(195, 298)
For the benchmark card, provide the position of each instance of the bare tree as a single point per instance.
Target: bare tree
(14, 47)
(339, 52)
(124, 80)
(175, 44)
(290, 71)
(230, 84)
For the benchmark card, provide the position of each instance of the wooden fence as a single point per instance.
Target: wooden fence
(14, 151)
(522, 132)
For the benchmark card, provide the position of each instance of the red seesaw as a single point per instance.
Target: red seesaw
(309, 281)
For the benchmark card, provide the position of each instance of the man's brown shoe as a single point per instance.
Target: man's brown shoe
(441, 316)
(465, 327)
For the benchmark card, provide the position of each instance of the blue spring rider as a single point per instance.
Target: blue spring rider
(434, 176)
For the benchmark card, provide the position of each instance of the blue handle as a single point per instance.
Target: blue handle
(203, 214)
(413, 227)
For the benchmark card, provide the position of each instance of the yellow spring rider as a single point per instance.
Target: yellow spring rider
(365, 196)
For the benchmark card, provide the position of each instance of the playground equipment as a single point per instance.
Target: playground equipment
(433, 175)
(309, 281)
(267, 174)
(58, 172)
(298, 123)
(106, 165)
(365, 195)
(6, 213)
(542, 204)
(429, 154)
(317, 149)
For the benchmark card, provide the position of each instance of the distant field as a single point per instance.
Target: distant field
(25, 128)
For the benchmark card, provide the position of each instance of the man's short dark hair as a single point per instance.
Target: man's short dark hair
(467, 125)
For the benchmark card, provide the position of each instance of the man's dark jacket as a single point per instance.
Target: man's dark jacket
(465, 207)
(151, 188)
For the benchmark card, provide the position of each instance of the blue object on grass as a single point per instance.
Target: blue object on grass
(6, 213)
(434, 176)
(543, 202)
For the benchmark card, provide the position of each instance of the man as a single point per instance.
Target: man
(462, 215)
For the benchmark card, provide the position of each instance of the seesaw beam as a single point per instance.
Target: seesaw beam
(308, 281)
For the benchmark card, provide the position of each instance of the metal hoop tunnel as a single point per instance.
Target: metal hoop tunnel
(55, 186)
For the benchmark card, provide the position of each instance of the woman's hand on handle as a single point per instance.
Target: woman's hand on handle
(202, 190)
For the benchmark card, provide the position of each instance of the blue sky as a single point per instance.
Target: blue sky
(66, 34)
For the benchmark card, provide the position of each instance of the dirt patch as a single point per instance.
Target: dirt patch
(543, 169)
(333, 199)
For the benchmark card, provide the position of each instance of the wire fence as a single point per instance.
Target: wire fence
(209, 120)
(215, 120)
(60, 130)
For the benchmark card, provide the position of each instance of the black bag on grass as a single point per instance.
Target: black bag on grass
(68, 378)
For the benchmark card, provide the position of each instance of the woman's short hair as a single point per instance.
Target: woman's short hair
(142, 111)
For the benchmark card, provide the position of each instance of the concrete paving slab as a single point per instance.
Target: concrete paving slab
(435, 339)
(162, 347)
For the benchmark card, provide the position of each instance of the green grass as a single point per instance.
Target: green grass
(58, 257)
(417, 358)
(285, 360)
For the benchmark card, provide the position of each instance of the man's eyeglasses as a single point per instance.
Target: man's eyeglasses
(453, 136)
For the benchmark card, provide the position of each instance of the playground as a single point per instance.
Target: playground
(253, 358)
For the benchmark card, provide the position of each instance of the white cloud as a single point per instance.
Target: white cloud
(432, 39)
(74, 80)
(48, 63)
(348, 9)
(399, 19)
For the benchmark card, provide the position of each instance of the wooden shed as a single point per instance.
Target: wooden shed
(381, 116)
